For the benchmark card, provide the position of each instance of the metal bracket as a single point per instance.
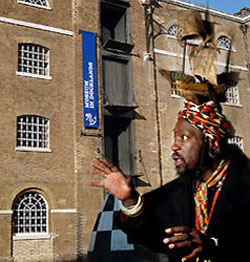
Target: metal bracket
(84, 133)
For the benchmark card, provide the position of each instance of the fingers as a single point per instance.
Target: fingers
(186, 243)
(96, 184)
(180, 237)
(115, 181)
(196, 239)
(178, 229)
(192, 255)
(102, 172)
(176, 238)
(111, 166)
(104, 165)
(99, 171)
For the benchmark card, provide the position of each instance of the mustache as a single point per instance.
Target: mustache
(176, 155)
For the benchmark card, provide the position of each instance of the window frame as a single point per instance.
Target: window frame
(122, 151)
(33, 149)
(20, 72)
(48, 7)
(233, 141)
(174, 91)
(234, 90)
(224, 47)
(30, 235)
(172, 35)
(124, 7)
(127, 63)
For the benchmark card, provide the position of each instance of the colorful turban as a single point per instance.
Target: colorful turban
(207, 118)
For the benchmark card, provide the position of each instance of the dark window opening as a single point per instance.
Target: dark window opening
(118, 142)
(116, 82)
(117, 85)
(113, 23)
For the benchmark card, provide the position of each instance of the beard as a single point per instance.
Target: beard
(181, 166)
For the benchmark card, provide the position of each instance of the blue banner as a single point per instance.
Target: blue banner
(90, 92)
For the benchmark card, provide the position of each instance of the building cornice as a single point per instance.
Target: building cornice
(214, 12)
(35, 26)
(176, 55)
(63, 211)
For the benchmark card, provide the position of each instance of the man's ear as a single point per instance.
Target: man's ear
(214, 148)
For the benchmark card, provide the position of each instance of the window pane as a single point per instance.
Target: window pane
(172, 30)
(33, 59)
(34, 2)
(33, 132)
(236, 141)
(27, 214)
(232, 93)
(224, 42)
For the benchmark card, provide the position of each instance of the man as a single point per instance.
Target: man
(204, 214)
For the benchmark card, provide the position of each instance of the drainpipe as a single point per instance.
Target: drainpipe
(150, 56)
(244, 28)
(157, 108)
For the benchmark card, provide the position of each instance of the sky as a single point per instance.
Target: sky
(228, 6)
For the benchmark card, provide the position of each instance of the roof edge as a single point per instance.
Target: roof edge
(214, 12)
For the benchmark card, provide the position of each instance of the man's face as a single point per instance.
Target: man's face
(187, 146)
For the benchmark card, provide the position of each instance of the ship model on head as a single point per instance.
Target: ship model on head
(204, 85)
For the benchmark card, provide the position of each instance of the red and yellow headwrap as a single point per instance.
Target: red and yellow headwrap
(207, 118)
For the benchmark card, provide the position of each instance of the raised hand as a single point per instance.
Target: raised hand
(115, 181)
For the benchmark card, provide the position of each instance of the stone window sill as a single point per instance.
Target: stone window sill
(31, 236)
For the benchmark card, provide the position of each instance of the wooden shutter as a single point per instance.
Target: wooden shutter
(116, 82)
(118, 142)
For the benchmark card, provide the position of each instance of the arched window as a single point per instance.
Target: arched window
(33, 60)
(39, 3)
(224, 42)
(32, 133)
(236, 140)
(30, 214)
(173, 30)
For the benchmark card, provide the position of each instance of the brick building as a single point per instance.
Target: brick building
(47, 210)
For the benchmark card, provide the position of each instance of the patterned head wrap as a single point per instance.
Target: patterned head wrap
(207, 118)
